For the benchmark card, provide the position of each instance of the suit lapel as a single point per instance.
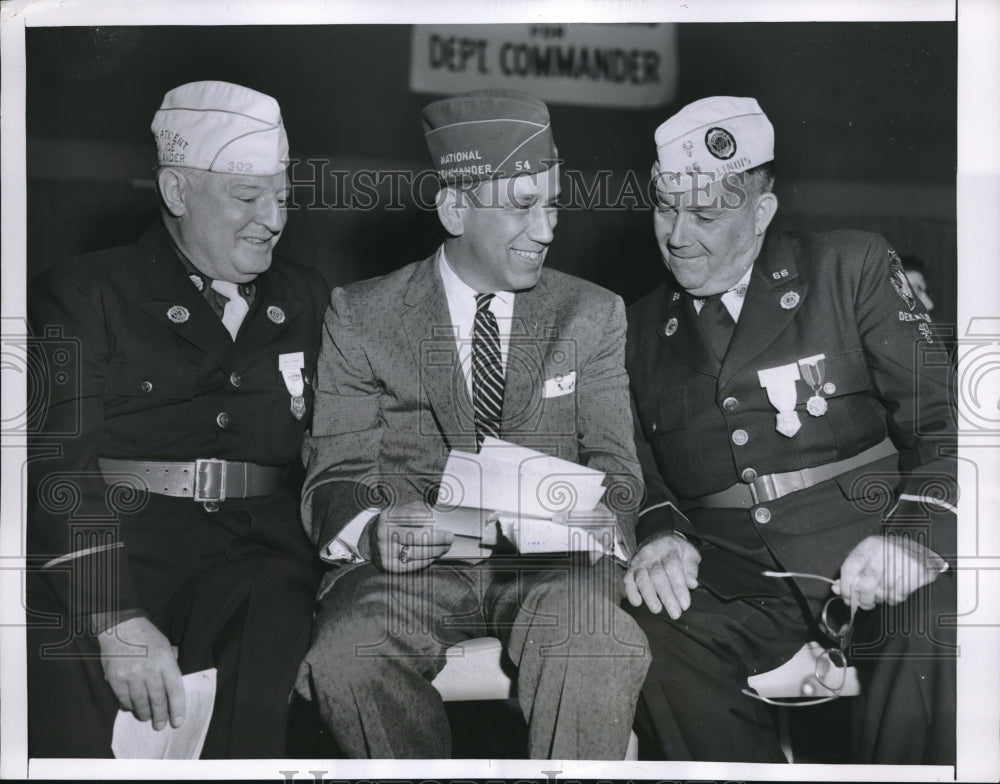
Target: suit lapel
(177, 304)
(531, 331)
(773, 297)
(269, 316)
(679, 330)
(431, 337)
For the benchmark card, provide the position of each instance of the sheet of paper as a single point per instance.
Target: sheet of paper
(508, 478)
(536, 535)
(475, 533)
(134, 739)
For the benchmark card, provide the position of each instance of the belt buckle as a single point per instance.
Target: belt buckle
(763, 489)
(209, 476)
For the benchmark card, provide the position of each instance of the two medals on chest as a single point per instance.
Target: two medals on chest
(780, 385)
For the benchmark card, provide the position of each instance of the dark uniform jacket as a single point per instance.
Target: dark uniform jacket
(703, 425)
(140, 367)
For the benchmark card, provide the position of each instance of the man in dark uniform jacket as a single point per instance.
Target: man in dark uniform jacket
(786, 422)
(162, 525)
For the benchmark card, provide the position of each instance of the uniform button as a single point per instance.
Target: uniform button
(762, 515)
(730, 404)
(146, 386)
(222, 420)
(234, 379)
(740, 437)
(748, 475)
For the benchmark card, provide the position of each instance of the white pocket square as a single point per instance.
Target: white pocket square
(559, 385)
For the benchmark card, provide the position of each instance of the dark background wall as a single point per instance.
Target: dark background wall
(864, 116)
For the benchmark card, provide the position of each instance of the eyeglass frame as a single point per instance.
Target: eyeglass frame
(843, 636)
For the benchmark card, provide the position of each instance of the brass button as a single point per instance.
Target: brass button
(762, 515)
(234, 379)
(730, 404)
(740, 437)
(222, 420)
(748, 475)
(146, 386)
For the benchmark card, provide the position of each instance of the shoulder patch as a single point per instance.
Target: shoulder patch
(897, 277)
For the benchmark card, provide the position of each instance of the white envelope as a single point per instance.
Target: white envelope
(560, 385)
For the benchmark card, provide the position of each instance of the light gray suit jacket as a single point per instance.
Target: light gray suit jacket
(391, 401)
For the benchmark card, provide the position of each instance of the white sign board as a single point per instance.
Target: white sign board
(615, 65)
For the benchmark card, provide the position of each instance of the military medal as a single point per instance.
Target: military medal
(813, 369)
(779, 383)
(291, 366)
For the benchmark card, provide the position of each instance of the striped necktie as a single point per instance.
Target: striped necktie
(236, 307)
(487, 371)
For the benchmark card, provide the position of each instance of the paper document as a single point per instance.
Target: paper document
(525, 496)
(134, 739)
(508, 478)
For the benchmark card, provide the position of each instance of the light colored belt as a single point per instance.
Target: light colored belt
(207, 479)
(771, 487)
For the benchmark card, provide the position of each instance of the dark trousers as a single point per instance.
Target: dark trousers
(693, 709)
(246, 611)
(380, 639)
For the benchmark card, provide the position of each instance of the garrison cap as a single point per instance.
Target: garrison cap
(487, 134)
(220, 127)
(715, 136)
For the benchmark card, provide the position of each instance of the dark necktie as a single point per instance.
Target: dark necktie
(487, 371)
(717, 324)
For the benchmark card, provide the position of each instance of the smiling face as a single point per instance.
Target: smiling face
(503, 230)
(709, 233)
(228, 224)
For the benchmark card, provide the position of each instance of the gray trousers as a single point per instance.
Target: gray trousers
(380, 639)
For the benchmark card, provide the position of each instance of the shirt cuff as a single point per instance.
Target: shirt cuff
(344, 546)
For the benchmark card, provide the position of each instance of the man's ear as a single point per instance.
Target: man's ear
(172, 186)
(767, 206)
(450, 211)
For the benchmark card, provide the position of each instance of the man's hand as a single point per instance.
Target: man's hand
(881, 569)
(404, 539)
(141, 668)
(662, 574)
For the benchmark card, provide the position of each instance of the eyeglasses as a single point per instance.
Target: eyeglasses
(837, 623)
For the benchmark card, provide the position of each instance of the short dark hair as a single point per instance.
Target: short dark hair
(760, 179)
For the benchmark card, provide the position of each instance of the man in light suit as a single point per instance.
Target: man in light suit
(394, 396)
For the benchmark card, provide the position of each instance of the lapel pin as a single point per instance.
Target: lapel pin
(197, 281)
(178, 314)
(789, 300)
(670, 328)
(677, 296)
(276, 314)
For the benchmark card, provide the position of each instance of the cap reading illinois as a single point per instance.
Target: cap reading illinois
(220, 127)
(487, 134)
(715, 136)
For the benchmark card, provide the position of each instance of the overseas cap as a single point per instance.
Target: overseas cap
(487, 134)
(220, 127)
(715, 135)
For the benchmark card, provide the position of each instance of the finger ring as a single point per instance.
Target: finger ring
(404, 554)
